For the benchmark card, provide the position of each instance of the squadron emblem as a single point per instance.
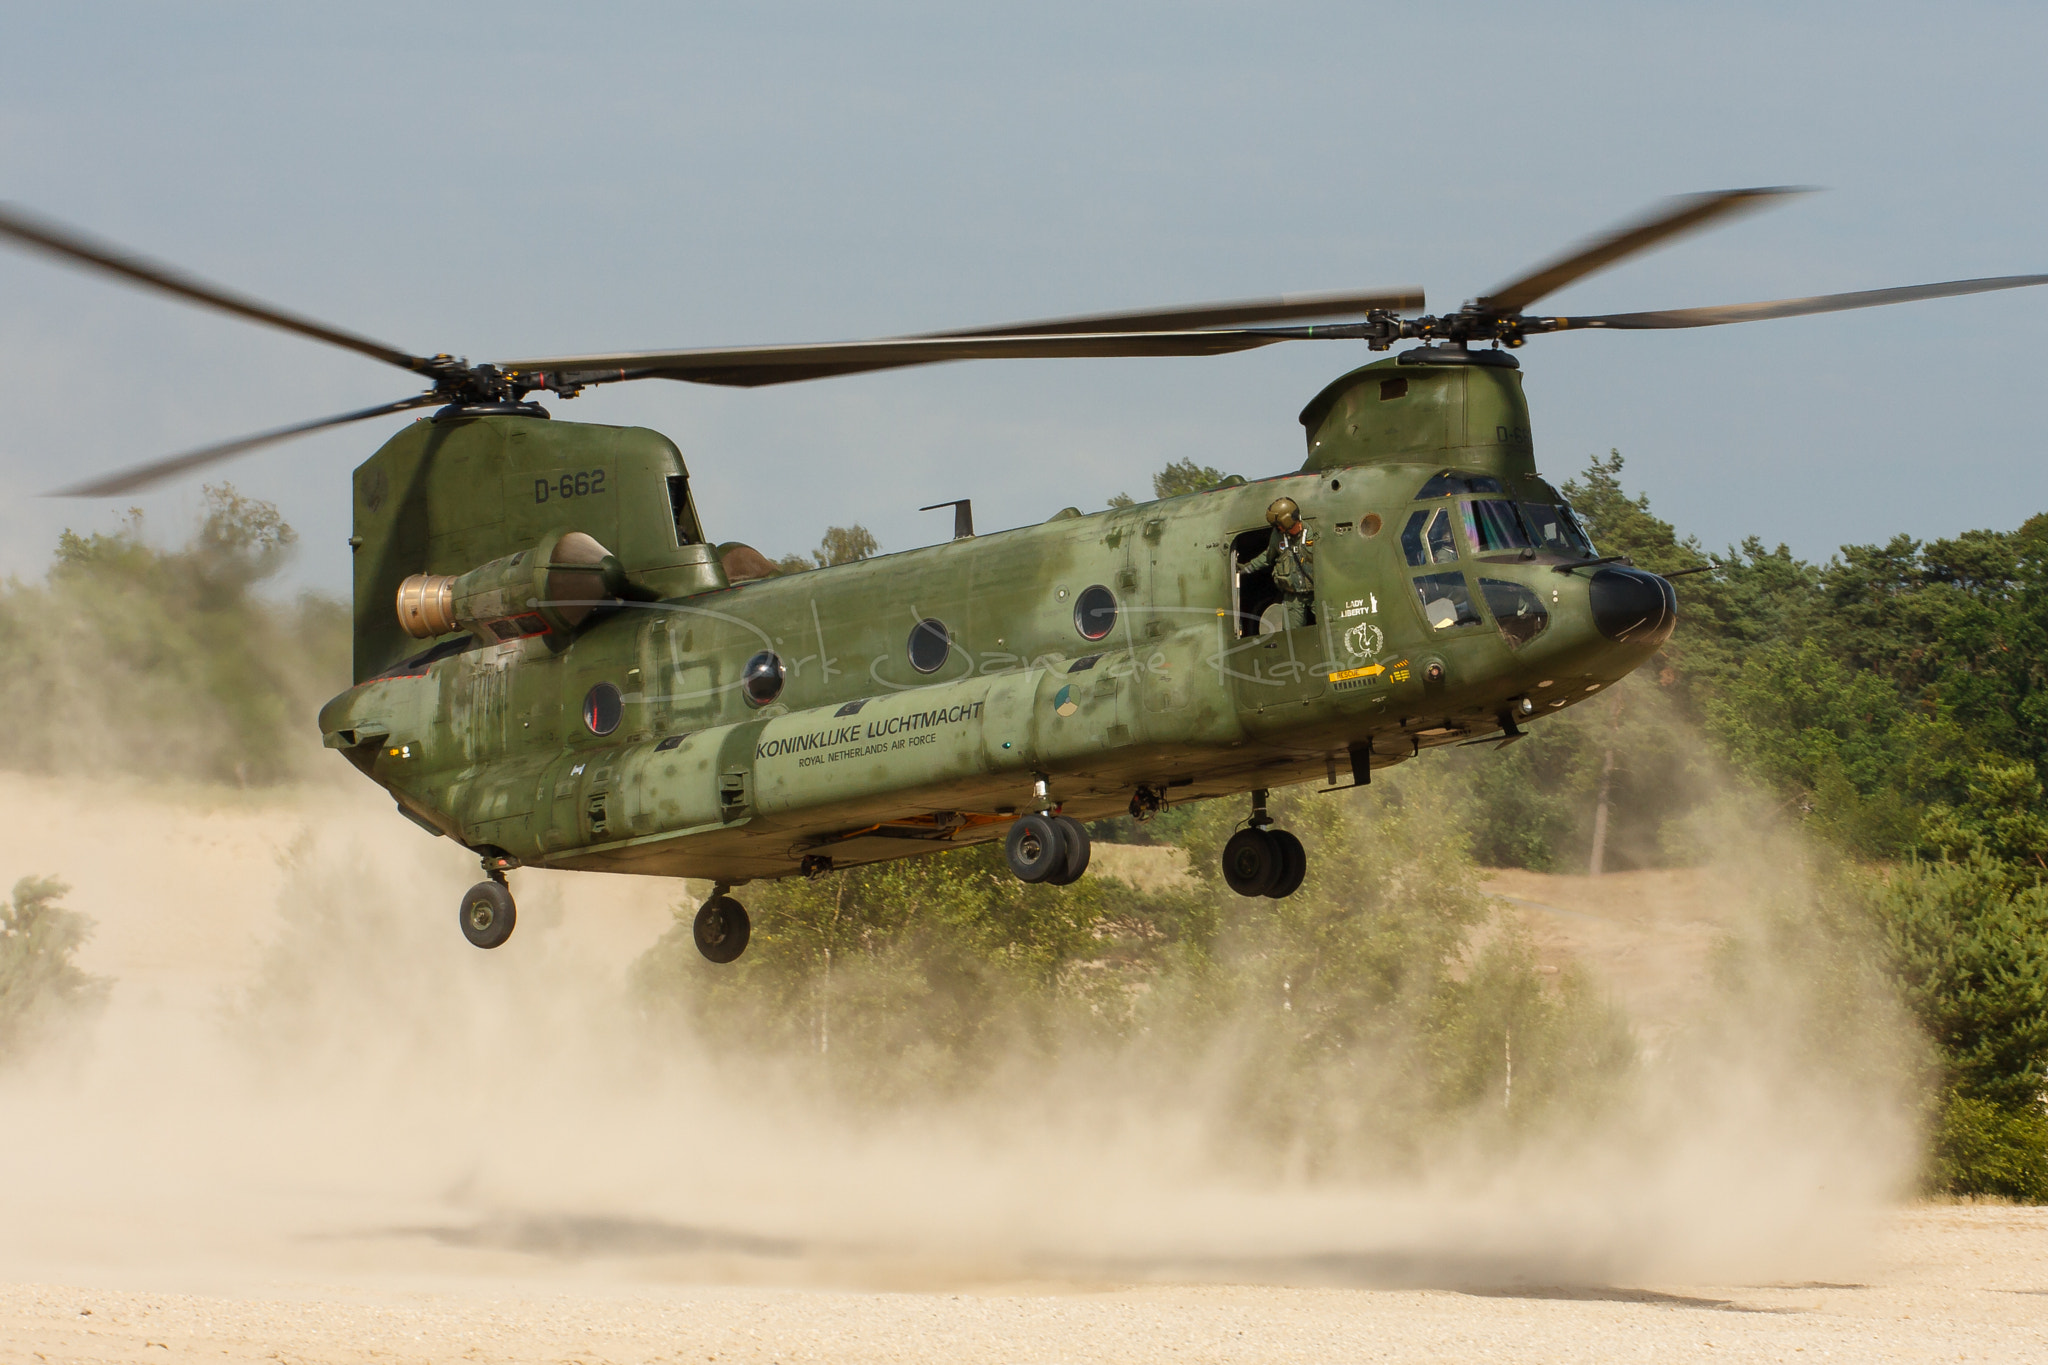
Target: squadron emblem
(1364, 639)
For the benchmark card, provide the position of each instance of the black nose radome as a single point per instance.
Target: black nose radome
(1632, 606)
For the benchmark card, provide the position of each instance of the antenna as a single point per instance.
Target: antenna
(963, 516)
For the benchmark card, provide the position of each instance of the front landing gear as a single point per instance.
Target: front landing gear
(1263, 861)
(721, 927)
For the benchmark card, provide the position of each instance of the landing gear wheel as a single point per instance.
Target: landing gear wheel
(1293, 864)
(1036, 848)
(1075, 835)
(721, 929)
(488, 914)
(1252, 862)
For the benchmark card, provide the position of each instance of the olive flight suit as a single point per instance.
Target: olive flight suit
(1292, 560)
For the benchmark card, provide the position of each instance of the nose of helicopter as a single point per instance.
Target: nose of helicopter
(1632, 607)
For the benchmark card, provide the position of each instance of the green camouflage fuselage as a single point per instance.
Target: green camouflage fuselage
(863, 757)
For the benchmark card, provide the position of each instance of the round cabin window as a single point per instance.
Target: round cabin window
(761, 679)
(1095, 613)
(602, 708)
(930, 644)
(1371, 525)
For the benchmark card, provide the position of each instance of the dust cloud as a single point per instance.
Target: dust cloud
(306, 1072)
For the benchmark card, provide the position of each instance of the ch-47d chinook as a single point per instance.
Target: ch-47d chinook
(556, 667)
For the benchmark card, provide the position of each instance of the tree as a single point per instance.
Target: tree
(841, 545)
(1184, 476)
(1177, 478)
(845, 545)
(1970, 954)
(1999, 818)
(141, 658)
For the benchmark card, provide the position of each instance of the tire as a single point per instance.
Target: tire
(1078, 847)
(1251, 862)
(1036, 848)
(1293, 865)
(721, 929)
(488, 914)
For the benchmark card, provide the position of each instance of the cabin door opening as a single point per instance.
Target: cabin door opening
(1269, 665)
(1254, 600)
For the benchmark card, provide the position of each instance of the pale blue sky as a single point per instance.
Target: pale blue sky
(516, 179)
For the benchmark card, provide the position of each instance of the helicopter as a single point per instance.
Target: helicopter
(555, 666)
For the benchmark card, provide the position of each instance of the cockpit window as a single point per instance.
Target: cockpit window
(1447, 484)
(1494, 525)
(1427, 538)
(1446, 601)
(1518, 610)
(684, 515)
(1556, 529)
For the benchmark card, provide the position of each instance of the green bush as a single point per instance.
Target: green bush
(41, 989)
(1337, 1028)
(1983, 1148)
(907, 975)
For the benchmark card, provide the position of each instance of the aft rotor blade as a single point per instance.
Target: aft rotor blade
(40, 234)
(142, 476)
(1788, 308)
(1237, 313)
(754, 366)
(1687, 213)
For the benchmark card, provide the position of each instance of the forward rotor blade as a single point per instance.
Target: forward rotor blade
(754, 366)
(1236, 313)
(1687, 213)
(1155, 332)
(39, 234)
(1790, 308)
(141, 476)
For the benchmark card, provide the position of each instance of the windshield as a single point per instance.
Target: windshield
(1494, 526)
(1556, 529)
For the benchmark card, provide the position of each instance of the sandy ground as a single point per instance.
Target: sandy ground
(159, 1204)
(1951, 1284)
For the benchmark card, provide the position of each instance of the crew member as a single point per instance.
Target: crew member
(1290, 554)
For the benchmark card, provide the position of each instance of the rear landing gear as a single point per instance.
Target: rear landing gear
(1262, 861)
(488, 913)
(721, 927)
(1053, 849)
(1074, 836)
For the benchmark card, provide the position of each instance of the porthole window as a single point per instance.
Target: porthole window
(602, 708)
(930, 644)
(761, 679)
(1095, 613)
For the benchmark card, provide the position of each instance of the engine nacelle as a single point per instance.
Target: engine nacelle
(552, 587)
